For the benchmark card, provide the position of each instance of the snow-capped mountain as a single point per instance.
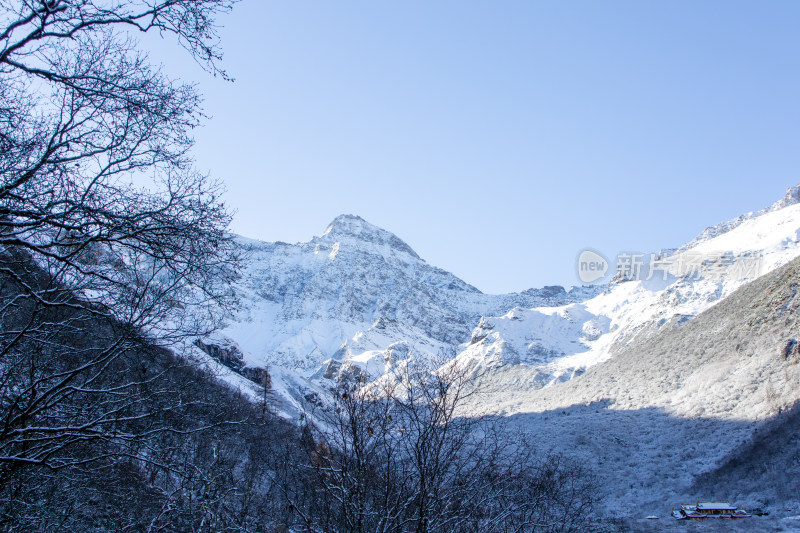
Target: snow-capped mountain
(663, 384)
(359, 295)
(656, 379)
(359, 299)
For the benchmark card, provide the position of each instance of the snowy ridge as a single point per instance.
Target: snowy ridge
(791, 197)
(560, 343)
(686, 368)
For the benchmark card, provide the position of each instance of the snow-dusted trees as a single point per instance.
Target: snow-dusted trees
(404, 457)
(96, 181)
(107, 233)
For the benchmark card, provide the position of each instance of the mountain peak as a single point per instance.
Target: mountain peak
(349, 224)
(354, 228)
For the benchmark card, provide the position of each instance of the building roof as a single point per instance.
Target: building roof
(715, 506)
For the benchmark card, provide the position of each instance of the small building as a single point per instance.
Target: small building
(706, 510)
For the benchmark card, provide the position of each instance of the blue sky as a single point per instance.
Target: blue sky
(500, 138)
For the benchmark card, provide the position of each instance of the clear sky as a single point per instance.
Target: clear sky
(500, 138)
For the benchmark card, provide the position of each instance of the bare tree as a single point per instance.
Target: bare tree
(109, 239)
(404, 456)
(84, 119)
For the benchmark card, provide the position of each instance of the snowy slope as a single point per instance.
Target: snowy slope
(791, 197)
(556, 344)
